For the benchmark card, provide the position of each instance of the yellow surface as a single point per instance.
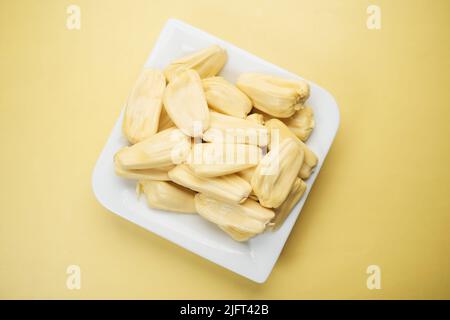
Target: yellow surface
(381, 198)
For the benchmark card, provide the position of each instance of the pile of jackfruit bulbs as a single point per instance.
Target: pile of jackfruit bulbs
(235, 154)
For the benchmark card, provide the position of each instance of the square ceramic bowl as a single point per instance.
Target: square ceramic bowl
(256, 258)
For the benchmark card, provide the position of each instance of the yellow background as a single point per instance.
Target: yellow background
(381, 198)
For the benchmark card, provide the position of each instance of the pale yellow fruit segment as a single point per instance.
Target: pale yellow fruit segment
(207, 62)
(164, 121)
(164, 149)
(248, 218)
(265, 116)
(168, 196)
(226, 98)
(276, 96)
(283, 211)
(230, 188)
(236, 234)
(185, 103)
(279, 131)
(276, 173)
(228, 129)
(256, 118)
(159, 174)
(301, 123)
(217, 159)
(247, 174)
(143, 107)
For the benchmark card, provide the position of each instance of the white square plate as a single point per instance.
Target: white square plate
(256, 258)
